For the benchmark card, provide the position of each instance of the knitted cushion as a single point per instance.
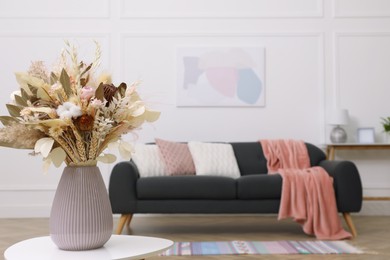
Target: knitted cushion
(177, 157)
(214, 159)
(148, 160)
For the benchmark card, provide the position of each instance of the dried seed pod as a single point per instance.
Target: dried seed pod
(85, 122)
(109, 92)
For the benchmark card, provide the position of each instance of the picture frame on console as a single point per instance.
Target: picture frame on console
(366, 135)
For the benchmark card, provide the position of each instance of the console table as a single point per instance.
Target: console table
(332, 148)
(118, 247)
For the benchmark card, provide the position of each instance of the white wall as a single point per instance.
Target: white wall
(319, 54)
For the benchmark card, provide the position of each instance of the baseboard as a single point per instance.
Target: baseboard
(25, 211)
(375, 208)
(370, 208)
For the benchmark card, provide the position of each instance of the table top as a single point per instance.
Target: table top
(118, 247)
(368, 145)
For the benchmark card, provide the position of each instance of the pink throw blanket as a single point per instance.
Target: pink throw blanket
(307, 193)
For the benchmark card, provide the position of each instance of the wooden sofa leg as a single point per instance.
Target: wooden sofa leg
(128, 220)
(124, 220)
(351, 226)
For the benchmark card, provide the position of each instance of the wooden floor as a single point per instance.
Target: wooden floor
(373, 237)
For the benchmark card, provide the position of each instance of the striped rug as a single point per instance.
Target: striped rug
(261, 248)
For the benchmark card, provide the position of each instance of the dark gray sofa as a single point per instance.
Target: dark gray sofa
(254, 192)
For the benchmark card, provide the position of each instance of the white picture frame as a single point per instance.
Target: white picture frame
(220, 76)
(366, 135)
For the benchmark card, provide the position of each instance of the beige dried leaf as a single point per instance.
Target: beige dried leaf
(44, 146)
(152, 115)
(106, 158)
(57, 156)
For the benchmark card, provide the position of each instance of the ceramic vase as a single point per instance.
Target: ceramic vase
(81, 214)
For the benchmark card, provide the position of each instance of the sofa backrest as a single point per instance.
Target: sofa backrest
(251, 160)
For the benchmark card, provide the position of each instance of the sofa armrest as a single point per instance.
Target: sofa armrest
(122, 187)
(347, 184)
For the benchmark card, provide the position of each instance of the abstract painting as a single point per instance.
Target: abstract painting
(220, 76)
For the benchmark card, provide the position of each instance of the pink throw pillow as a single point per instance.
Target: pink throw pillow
(177, 157)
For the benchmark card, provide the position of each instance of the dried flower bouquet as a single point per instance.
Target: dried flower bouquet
(70, 115)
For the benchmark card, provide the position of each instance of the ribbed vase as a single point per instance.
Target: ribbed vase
(81, 214)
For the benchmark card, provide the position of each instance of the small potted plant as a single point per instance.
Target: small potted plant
(386, 127)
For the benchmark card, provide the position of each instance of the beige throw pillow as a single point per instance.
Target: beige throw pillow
(148, 160)
(214, 159)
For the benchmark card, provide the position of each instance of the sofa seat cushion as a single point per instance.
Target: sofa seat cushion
(259, 186)
(186, 187)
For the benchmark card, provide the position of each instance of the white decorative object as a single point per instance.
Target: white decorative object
(337, 118)
(148, 159)
(118, 247)
(214, 159)
(366, 135)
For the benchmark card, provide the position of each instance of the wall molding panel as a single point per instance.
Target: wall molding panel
(222, 9)
(55, 9)
(361, 8)
(56, 41)
(337, 37)
(336, 53)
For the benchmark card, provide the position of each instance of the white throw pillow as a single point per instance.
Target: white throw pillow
(214, 159)
(148, 160)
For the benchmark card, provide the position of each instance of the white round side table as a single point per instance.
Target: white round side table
(118, 247)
